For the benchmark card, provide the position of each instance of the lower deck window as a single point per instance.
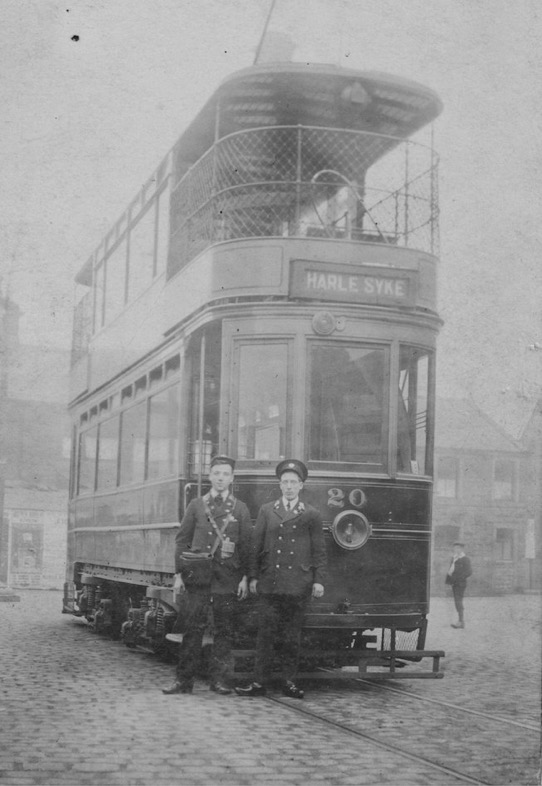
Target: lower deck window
(413, 442)
(348, 403)
(261, 423)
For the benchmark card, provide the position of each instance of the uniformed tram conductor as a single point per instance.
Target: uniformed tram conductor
(218, 525)
(288, 559)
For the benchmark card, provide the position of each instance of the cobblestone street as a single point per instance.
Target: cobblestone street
(79, 709)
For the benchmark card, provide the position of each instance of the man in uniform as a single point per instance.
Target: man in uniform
(288, 559)
(217, 524)
(459, 571)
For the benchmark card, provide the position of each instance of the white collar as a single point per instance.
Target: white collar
(293, 503)
(224, 494)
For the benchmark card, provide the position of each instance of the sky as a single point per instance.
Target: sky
(94, 93)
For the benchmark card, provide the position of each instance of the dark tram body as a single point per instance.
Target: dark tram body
(270, 293)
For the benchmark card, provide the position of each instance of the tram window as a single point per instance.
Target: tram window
(173, 365)
(141, 255)
(163, 433)
(87, 460)
(203, 444)
(156, 375)
(261, 425)
(132, 444)
(163, 231)
(108, 452)
(115, 279)
(412, 418)
(99, 291)
(348, 404)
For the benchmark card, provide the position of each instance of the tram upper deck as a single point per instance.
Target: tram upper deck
(293, 181)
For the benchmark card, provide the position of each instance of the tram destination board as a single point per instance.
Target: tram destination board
(352, 283)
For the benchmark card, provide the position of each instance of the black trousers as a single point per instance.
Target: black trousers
(197, 608)
(458, 590)
(279, 631)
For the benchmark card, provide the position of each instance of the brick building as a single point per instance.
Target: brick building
(486, 494)
(34, 457)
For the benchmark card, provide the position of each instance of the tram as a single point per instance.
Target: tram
(269, 293)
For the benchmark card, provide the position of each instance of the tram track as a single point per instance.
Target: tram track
(449, 705)
(439, 738)
(460, 776)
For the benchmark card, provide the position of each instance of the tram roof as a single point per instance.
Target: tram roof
(310, 94)
(277, 94)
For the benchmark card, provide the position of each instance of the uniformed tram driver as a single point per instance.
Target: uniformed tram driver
(288, 559)
(217, 525)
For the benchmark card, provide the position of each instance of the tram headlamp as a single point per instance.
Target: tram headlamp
(351, 530)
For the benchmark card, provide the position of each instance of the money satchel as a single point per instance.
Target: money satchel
(196, 566)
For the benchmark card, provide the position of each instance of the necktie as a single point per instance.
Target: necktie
(288, 506)
(219, 499)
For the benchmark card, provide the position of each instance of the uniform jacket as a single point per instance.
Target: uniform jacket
(196, 533)
(462, 570)
(288, 550)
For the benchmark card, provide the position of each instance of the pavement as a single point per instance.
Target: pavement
(79, 709)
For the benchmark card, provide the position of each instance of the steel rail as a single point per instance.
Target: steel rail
(379, 743)
(448, 704)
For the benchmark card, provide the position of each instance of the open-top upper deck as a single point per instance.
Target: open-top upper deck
(316, 159)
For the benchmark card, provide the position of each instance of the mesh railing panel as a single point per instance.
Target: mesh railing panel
(298, 182)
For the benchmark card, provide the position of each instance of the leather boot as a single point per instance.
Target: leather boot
(186, 686)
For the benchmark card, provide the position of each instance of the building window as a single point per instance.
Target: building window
(503, 479)
(446, 485)
(504, 541)
(446, 535)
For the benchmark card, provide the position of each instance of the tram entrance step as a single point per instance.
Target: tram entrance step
(392, 664)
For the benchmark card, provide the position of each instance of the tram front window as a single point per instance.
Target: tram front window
(261, 423)
(348, 404)
(412, 411)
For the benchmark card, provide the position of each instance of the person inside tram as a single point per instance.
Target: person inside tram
(218, 526)
(288, 560)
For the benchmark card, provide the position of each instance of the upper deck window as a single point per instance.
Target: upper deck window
(115, 282)
(348, 411)
(141, 265)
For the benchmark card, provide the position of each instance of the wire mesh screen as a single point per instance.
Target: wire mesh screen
(299, 181)
(404, 640)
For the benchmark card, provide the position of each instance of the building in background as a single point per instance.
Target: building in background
(34, 454)
(487, 494)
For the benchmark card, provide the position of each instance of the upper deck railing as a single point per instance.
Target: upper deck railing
(303, 181)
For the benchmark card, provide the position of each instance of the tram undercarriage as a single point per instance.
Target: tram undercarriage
(143, 617)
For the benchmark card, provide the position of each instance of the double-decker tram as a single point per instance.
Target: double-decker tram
(270, 293)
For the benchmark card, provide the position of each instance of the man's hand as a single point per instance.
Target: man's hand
(253, 586)
(178, 585)
(317, 590)
(242, 589)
